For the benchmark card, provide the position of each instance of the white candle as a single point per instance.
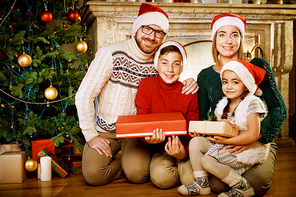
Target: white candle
(45, 166)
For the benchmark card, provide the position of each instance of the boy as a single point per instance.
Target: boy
(166, 161)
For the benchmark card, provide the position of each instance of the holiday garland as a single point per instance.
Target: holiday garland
(39, 75)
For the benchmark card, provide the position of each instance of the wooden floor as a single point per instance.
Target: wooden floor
(284, 184)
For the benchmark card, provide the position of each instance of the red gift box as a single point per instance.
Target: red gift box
(69, 150)
(76, 167)
(38, 145)
(74, 162)
(57, 165)
(143, 125)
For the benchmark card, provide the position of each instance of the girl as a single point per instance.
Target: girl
(239, 83)
(227, 35)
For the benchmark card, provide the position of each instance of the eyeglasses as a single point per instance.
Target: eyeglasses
(148, 30)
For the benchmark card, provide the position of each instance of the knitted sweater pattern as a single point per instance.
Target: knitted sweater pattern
(113, 79)
(156, 96)
(210, 92)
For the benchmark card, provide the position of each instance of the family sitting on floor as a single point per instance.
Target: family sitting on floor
(141, 76)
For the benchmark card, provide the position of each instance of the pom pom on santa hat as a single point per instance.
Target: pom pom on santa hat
(171, 43)
(250, 74)
(228, 19)
(151, 15)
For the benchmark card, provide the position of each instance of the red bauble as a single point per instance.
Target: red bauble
(72, 16)
(46, 16)
(0, 53)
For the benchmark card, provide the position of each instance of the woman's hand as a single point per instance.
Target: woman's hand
(157, 137)
(175, 148)
(237, 148)
(190, 86)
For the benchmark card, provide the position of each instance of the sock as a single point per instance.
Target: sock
(201, 186)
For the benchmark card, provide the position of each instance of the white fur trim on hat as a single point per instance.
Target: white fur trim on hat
(169, 43)
(228, 20)
(151, 18)
(243, 73)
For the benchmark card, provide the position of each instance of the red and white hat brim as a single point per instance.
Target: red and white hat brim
(169, 43)
(151, 18)
(243, 73)
(228, 20)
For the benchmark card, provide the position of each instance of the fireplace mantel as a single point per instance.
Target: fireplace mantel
(110, 22)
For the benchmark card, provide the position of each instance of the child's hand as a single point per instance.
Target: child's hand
(229, 121)
(157, 137)
(195, 134)
(175, 148)
(218, 139)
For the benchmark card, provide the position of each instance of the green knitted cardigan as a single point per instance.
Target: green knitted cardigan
(210, 92)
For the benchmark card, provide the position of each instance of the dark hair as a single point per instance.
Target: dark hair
(226, 109)
(168, 49)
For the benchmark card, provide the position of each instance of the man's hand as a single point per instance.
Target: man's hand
(157, 137)
(190, 86)
(175, 148)
(101, 145)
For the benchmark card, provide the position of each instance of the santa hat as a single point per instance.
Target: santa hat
(228, 19)
(150, 14)
(171, 43)
(250, 74)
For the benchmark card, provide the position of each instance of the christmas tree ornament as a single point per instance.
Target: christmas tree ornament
(72, 16)
(0, 53)
(24, 60)
(51, 93)
(46, 16)
(81, 46)
(31, 164)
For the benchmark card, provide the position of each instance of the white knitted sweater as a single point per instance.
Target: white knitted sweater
(113, 77)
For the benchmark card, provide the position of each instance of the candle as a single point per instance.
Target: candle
(38, 170)
(45, 169)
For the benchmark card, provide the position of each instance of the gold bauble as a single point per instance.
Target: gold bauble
(31, 164)
(79, 19)
(24, 60)
(51, 93)
(81, 46)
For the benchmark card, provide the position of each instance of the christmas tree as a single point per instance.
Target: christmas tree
(38, 76)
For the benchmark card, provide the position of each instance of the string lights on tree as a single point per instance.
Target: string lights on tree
(38, 76)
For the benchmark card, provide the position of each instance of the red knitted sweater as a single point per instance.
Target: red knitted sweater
(156, 96)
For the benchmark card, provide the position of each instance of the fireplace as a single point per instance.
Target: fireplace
(269, 32)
